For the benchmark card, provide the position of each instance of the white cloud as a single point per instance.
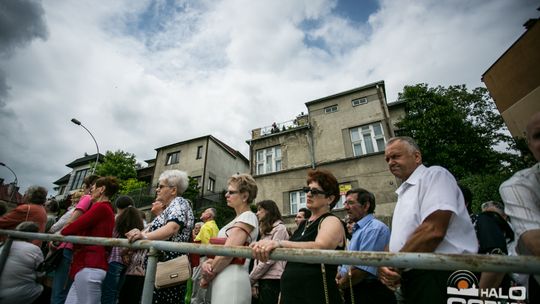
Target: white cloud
(223, 68)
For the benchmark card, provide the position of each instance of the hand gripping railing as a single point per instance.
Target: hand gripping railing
(472, 262)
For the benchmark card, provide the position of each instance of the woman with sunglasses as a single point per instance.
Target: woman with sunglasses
(302, 282)
(229, 276)
(173, 224)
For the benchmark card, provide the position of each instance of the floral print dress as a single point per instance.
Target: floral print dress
(180, 212)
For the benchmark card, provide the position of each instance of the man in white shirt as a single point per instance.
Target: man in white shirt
(521, 197)
(430, 216)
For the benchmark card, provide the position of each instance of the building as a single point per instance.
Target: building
(514, 79)
(344, 133)
(207, 159)
(9, 194)
(80, 168)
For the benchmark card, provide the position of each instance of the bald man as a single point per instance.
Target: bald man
(521, 197)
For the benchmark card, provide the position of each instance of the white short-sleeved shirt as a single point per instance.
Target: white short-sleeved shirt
(521, 197)
(424, 192)
(248, 218)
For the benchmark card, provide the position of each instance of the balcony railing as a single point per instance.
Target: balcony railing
(299, 121)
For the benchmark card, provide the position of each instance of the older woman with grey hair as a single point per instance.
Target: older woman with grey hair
(173, 224)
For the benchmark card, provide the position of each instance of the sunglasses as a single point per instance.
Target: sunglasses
(313, 191)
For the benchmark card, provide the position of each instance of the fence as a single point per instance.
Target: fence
(472, 262)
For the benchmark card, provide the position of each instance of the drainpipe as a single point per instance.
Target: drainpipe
(204, 168)
(386, 114)
(311, 144)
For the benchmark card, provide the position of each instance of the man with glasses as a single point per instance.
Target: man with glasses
(360, 283)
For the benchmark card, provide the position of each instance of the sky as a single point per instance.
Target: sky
(145, 74)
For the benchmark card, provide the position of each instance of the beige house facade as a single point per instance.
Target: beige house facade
(206, 159)
(344, 133)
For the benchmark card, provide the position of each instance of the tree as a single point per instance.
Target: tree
(456, 129)
(119, 164)
(122, 165)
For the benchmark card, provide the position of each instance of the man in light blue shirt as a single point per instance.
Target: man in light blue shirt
(369, 234)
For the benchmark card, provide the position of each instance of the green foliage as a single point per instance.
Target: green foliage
(192, 191)
(120, 164)
(484, 188)
(456, 129)
(131, 185)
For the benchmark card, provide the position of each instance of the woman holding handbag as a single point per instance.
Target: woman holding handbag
(228, 276)
(173, 224)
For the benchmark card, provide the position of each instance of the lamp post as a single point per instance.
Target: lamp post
(14, 184)
(75, 121)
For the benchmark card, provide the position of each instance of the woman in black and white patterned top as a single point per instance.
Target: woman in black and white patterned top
(173, 224)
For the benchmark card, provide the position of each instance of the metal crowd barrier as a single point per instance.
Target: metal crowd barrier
(472, 262)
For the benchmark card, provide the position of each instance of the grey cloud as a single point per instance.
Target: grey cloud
(20, 22)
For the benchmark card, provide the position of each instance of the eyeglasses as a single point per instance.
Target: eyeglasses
(162, 186)
(313, 191)
(232, 192)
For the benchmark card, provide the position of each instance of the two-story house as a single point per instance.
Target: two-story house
(207, 159)
(80, 168)
(344, 133)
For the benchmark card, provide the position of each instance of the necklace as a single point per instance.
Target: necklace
(308, 223)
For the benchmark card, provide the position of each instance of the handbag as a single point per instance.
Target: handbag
(52, 261)
(173, 272)
(221, 241)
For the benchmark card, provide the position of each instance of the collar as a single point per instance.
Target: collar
(413, 179)
(363, 222)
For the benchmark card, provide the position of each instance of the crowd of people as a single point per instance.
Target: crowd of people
(432, 214)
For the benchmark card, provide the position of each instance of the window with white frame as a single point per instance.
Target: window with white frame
(78, 179)
(297, 200)
(269, 160)
(211, 184)
(173, 158)
(359, 101)
(331, 109)
(367, 139)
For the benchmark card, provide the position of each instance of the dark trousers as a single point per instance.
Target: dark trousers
(425, 286)
(131, 291)
(268, 291)
(369, 292)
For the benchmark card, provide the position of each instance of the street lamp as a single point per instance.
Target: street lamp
(14, 184)
(75, 121)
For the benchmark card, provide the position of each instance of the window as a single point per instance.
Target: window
(330, 109)
(62, 189)
(343, 188)
(199, 152)
(173, 158)
(297, 200)
(367, 139)
(359, 101)
(269, 160)
(78, 179)
(211, 184)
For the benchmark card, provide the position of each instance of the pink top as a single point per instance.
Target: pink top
(84, 204)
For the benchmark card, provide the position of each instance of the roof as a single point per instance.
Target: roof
(528, 26)
(367, 86)
(227, 148)
(85, 160)
(63, 180)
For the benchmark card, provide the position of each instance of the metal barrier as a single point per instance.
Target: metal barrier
(472, 262)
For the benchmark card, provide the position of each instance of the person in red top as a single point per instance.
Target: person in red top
(90, 264)
(31, 210)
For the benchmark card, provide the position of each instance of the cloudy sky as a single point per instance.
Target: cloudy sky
(144, 74)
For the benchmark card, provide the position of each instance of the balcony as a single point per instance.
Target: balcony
(300, 121)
